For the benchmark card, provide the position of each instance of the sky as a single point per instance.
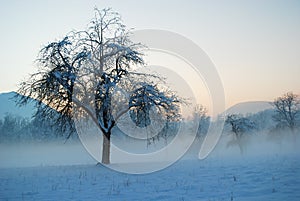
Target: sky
(255, 45)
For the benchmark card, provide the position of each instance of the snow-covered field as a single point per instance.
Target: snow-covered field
(270, 176)
(274, 178)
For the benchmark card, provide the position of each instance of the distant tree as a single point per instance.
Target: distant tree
(239, 127)
(200, 116)
(86, 69)
(16, 129)
(12, 128)
(287, 109)
(24, 128)
(169, 130)
(263, 120)
(43, 128)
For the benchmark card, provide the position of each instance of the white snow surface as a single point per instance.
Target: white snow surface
(274, 178)
(57, 171)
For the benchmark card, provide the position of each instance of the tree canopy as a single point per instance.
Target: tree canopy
(287, 109)
(89, 70)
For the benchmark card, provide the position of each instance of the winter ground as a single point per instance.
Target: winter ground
(224, 175)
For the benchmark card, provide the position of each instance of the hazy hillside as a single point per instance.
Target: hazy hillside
(8, 106)
(249, 107)
(17, 124)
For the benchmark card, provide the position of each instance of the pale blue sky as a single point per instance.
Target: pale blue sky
(254, 44)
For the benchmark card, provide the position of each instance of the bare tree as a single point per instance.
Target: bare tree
(200, 116)
(239, 126)
(86, 70)
(287, 111)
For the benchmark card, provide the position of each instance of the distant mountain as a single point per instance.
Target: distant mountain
(249, 107)
(8, 106)
(16, 129)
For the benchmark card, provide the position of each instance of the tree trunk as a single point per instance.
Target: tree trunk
(106, 148)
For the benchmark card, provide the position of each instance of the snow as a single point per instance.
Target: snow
(274, 178)
(67, 172)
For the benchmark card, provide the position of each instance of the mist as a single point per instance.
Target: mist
(74, 152)
(55, 153)
(258, 145)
